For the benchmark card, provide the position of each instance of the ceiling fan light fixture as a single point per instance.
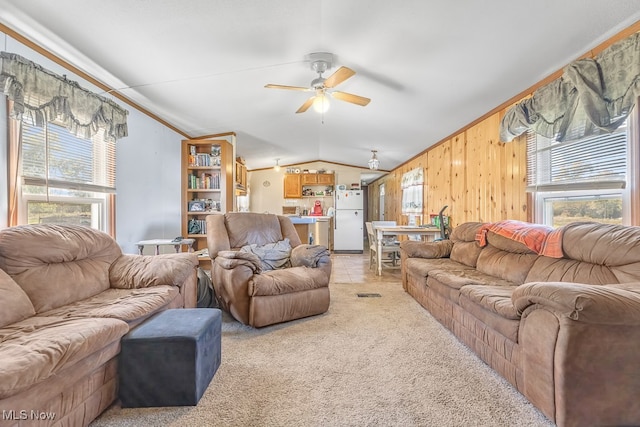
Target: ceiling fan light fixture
(321, 103)
(321, 62)
(374, 163)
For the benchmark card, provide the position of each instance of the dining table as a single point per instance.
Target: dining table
(428, 233)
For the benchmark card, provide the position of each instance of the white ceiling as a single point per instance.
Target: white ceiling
(430, 66)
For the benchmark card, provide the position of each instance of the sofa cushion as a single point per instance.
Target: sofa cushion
(457, 278)
(288, 280)
(466, 232)
(613, 246)
(422, 267)
(465, 248)
(37, 348)
(57, 265)
(248, 228)
(419, 249)
(496, 299)
(569, 270)
(129, 305)
(135, 271)
(14, 303)
(487, 314)
(506, 244)
(513, 267)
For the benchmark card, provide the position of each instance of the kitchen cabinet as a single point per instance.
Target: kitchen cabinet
(292, 186)
(325, 178)
(318, 179)
(241, 178)
(309, 179)
(295, 184)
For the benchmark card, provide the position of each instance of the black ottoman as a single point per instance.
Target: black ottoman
(170, 359)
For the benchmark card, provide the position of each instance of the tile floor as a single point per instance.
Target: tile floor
(354, 268)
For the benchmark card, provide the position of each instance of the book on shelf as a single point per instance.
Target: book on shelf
(206, 181)
(197, 226)
(203, 159)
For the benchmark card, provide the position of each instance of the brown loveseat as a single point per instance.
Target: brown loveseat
(244, 281)
(564, 331)
(67, 296)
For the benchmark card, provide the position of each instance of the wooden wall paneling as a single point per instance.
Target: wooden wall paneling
(510, 200)
(458, 207)
(524, 208)
(475, 173)
(432, 181)
(483, 171)
(396, 185)
(392, 196)
(517, 200)
(494, 172)
(516, 197)
(373, 201)
(438, 179)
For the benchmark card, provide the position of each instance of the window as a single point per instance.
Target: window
(65, 179)
(412, 189)
(581, 180)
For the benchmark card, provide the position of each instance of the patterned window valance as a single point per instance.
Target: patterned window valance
(413, 177)
(44, 96)
(592, 94)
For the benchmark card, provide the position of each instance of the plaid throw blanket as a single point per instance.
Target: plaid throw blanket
(541, 239)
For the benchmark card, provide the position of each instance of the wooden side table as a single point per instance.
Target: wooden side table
(164, 242)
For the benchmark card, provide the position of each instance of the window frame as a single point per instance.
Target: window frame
(543, 215)
(627, 191)
(103, 206)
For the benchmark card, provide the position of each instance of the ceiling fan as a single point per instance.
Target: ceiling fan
(321, 62)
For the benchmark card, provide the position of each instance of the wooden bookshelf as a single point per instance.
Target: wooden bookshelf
(207, 187)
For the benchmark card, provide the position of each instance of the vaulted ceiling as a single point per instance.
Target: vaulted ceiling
(429, 67)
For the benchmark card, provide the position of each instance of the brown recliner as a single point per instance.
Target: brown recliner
(257, 297)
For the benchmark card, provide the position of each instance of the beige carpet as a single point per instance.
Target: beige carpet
(376, 361)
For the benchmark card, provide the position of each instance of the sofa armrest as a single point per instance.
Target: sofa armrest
(231, 278)
(595, 304)
(141, 271)
(230, 260)
(313, 256)
(413, 249)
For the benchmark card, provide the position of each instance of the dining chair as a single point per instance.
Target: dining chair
(391, 250)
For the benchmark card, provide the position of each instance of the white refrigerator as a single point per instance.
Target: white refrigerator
(348, 222)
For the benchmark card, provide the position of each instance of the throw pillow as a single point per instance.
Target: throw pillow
(14, 302)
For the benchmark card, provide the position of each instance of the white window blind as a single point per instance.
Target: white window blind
(54, 158)
(591, 163)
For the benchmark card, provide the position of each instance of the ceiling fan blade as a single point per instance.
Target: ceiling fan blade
(354, 99)
(306, 105)
(341, 74)
(270, 86)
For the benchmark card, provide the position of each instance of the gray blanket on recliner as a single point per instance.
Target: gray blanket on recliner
(308, 255)
(272, 256)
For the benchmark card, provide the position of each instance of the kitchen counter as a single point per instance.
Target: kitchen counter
(310, 219)
(310, 231)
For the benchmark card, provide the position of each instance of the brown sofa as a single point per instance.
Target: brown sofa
(249, 289)
(564, 331)
(67, 296)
